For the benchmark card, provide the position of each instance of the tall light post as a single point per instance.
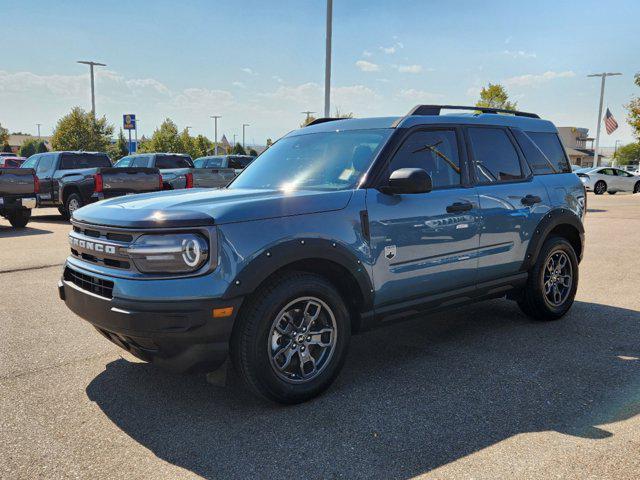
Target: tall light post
(327, 61)
(603, 75)
(38, 124)
(215, 129)
(93, 96)
(243, 127)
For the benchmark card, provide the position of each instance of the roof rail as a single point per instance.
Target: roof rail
(324, 120)
(435, 110)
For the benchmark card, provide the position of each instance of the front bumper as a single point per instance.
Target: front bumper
(178, 335)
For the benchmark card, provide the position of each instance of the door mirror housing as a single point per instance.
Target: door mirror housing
(408, 180)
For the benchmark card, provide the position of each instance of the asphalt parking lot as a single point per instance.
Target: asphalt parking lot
(479, 392)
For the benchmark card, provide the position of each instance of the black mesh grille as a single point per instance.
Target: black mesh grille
(103, 288)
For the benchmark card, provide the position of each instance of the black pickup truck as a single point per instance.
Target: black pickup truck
(18, 188)
(69, 180)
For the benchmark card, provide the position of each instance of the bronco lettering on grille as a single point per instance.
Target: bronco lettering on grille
(93, 246)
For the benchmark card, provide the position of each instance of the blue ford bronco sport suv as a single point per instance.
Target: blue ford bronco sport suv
(338, 227)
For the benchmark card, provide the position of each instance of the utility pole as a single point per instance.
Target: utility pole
(234, 140)
(327, 61)
(307, 113)
(243, 127)
(93, 96)
(603, 75)
(38, 124)
(215, 128)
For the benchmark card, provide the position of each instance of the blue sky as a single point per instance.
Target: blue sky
(262, 62)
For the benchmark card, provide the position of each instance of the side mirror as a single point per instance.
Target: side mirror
(408, 180)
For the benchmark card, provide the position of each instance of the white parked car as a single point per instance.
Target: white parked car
(608, 179)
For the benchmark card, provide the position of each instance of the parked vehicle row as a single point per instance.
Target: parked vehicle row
(340, 226)
(11, 162)
(18, 190)
(608, 179)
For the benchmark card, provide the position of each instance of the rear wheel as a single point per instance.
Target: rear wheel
(553, 281)
(19, 218)
(291, 338)
(612, 193)
(73, 203)
(600, 187)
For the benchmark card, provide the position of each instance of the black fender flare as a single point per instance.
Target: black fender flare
(551, 220)
(278, 256)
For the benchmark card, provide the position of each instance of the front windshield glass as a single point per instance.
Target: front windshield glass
(315, 161)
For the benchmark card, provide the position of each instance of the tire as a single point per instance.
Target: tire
(636, 188)
(535, 302)
(600, 187)
(257, 345)
(612, 193)
(72, 203)
(63, 212)
(19, 217)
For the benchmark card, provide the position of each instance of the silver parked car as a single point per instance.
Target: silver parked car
(608, 179)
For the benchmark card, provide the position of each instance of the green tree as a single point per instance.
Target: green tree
(80, 130)
(627, 154)
(269, 142)
(41, 147)
(307, 121)
(340, 114)
(164, 139)
(6, 148)
(29, 147)
(120, 148)
(4, 135)
(203, 146)
(253, 152)
(238, 150)
(633, 109)
(495, 96)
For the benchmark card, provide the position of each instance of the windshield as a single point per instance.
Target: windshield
(316, 161)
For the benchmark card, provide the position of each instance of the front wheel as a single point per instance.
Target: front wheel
(553, 281)
(19, 218)
(600, 187)
(636, 188)
(291, 338)
(73, 203)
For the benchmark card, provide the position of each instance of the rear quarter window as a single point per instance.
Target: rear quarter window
(551, 146)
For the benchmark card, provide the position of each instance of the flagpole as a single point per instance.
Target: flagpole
(603, 76)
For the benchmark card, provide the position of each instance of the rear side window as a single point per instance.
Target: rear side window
(123, 162)
(215, 162)
(239, 162)
(140, 161)
(72, 161)
(435, 151)
(173, 161)
(496, 159)
(537, 160)
(551, 146)
(45, 164)
(199, 163)
(30, 162)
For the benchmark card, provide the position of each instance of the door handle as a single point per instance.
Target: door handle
(459, 207)
(530, 200)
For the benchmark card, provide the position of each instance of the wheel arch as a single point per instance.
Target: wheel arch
(329, 259)
(68, 190)
(559, 222)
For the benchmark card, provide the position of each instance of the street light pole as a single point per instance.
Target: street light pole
(603, 75)
(215, 128)
(38, 124)
(93, 96)
(243, 127)
(327, 61)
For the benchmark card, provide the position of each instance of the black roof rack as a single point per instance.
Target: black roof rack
(435, 110)
(324, 120)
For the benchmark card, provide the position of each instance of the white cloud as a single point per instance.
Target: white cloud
(388, 50)
(367, 66)
(473, 91)
(248, 71)
(366, 53)
(409, 68)
(203, 98)
(507, 40)
(239, 84)
(277, 78)
(383, 80)
(418, 95)
(519, 54)
(532, 80)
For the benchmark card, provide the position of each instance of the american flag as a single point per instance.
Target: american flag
(610, 122)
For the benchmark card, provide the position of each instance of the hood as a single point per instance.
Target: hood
(200, 206)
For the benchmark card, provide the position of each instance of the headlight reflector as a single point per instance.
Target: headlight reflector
(171, 253)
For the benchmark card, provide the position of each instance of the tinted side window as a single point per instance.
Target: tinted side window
(495, 156)
(622, 173)
(123, 162)
(606, 171)
(435, 151)
(172, 161)
(236, 162)
(71, 161)
(199, 163)
(551, 146)
(537, 160)
(215, 162)
(30, 162)
(45, 164)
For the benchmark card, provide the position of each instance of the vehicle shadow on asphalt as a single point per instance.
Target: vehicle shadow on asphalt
(50, 219)
(10, 232)
(412, 397)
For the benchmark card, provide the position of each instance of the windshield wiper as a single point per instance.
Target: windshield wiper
(432, 148)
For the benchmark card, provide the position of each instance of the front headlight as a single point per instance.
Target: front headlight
(172, 253)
